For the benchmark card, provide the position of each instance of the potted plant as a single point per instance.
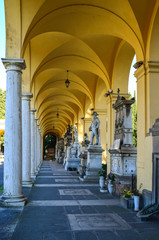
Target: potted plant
(137, 198)
(111, 179)
(102, 177)
(69, 169)
(127, 200)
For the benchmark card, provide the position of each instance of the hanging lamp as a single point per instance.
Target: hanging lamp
(67, 82)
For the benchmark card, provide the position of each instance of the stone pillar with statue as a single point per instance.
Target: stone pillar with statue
(73, 161)
(94, 152)
(122, 153)
(83, 156)
(67, 143)
(60, 150)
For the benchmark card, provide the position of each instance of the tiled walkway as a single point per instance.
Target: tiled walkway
(60, 207)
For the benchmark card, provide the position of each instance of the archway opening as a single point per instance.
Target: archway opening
(132, 89)
(49, 147)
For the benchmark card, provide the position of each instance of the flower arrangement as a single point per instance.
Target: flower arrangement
(111, 177)
(72, 169)
(136, 192)
(69, 169)
(102, 173)
(127, 194)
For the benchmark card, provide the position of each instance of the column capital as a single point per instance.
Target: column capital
(36, 119)
(26, 96)
(111, 99)
(13, 64)
(152, 67)
(101, 111)
(140, 72)
(33, 110)
(87, 120)
(38, 124)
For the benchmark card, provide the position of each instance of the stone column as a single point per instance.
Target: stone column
(38, 147)
(39, 160)
(26, 145)
(42, 148)
(87, 123)
(33, 174)
(144, 121)
(110, 127)
(41, 140)
(35, 126)
(56, 149)
(13, 195)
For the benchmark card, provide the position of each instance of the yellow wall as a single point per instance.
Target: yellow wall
(96, 42)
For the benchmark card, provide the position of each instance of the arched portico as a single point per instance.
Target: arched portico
(96, 42)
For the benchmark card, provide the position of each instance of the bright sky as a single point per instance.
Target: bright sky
(132, 79)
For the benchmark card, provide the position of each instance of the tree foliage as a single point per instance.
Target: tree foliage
(2, 113)
(134, 120)
(50, 141)
(2, 103)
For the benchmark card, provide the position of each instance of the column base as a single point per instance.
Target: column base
(92, 179)
(91, 176)
(33, 175)
(27, 183)
(13, 201)
(72, 163)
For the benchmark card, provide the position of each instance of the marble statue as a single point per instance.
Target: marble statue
(76, 134)
(94, 128)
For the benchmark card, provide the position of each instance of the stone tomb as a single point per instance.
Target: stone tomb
(123, 154)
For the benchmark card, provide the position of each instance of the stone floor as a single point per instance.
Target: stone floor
(70, 210)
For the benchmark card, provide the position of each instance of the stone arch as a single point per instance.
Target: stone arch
(122, 66)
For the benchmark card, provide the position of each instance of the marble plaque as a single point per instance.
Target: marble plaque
(108, 221)
(75, 192)
(116, 144)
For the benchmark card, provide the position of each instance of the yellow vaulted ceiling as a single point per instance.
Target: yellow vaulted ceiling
(86, 37)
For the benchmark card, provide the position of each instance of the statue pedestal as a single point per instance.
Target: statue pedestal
(83, 164)
(94, 163)
(122, 153)
(72, 162)
(61, 159)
